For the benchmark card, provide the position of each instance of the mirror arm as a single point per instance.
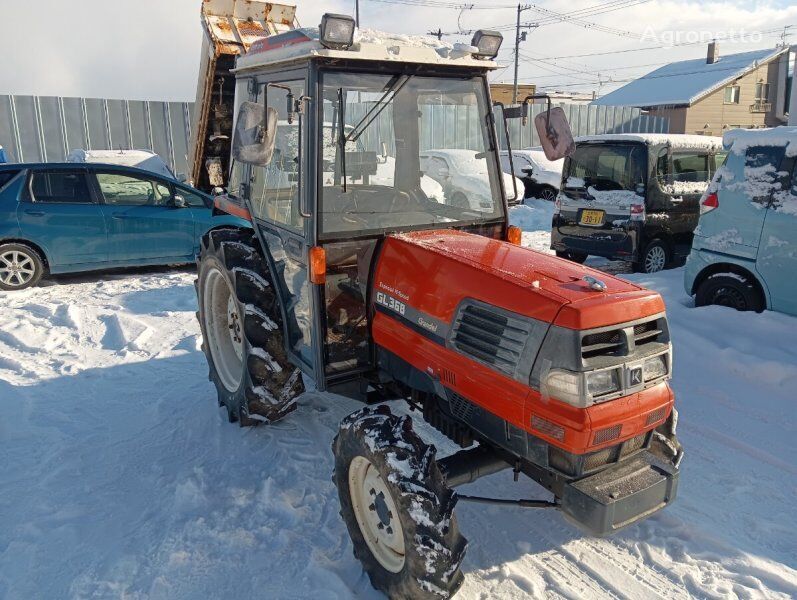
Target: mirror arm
(508, 148)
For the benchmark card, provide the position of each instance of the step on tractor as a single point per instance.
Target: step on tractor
(362, 274)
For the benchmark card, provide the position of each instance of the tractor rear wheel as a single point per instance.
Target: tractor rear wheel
(241, 326)
(397, 507)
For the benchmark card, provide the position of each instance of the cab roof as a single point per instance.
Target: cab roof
(369, 44)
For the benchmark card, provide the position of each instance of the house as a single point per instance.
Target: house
(709, 96)
(502, 92)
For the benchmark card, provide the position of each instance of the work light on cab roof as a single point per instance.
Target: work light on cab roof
(337, 31)
(488, 43)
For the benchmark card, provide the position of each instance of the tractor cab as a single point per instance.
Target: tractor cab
(349, 127)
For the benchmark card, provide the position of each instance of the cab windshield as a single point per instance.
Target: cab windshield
(405, 151)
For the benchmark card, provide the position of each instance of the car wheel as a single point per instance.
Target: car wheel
(576, 257)
(729, 289)
(20, 267)
(548, 194)
(655, 258)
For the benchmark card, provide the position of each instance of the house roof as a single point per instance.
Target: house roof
(685, 82)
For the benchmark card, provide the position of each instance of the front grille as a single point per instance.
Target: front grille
(577, 465)
(632, 445)
(646, 333)
(605, 343)
(622, 340)
(490, 336)
(657, 415)
(605, 435)
(600, 458)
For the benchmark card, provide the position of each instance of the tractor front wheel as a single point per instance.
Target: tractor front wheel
(242, 330)
(397, 507)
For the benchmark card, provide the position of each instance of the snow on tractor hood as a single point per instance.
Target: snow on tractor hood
(434, 271)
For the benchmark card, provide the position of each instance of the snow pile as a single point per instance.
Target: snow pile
(616, 198)
(122, 479)
(739, 140)
(534, 218)
(677, 141)
(384, 38)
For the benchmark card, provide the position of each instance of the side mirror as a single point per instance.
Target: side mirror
(255, 134)
(555, 135)
(182, 177)
(179, 202)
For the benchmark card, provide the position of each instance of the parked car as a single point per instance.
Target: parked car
(62, 218)
(464, 178)
(141, 159)
(541, 177)
(633, 197)
(744, 252)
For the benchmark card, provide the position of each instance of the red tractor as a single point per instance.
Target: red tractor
(361, 273)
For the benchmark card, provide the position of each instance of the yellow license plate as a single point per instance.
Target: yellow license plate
(591, 217)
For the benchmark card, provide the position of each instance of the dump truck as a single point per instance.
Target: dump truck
(359, 273)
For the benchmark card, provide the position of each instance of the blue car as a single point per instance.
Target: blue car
(744, 253)
(65, 218)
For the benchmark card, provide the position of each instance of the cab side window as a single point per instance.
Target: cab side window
(64, 187)
(274, 188)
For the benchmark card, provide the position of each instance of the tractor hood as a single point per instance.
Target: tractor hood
(433, 271)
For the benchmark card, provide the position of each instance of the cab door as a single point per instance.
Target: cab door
(274, 193)
(777, 251)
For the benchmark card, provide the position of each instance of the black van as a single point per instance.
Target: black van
(633, 197)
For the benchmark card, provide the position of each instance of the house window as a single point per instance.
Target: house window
(732, 94)
(761, 92)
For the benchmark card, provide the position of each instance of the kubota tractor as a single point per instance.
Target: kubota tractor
(361, 273)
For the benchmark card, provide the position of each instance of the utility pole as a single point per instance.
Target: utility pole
(519, 37)
(357, 13)
(438, 34)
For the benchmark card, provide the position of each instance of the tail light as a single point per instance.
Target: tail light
(637, 212)
(709, 203)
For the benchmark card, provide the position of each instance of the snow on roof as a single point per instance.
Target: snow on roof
(742, 139)
(675, 140)
(369, 44)
(686, 81)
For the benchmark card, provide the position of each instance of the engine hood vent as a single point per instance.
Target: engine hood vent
(491, 336)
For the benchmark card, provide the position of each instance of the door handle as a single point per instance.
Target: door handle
(35, 213)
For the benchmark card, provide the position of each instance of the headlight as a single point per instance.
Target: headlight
(655, 367)
(601, 383)
(565, 386)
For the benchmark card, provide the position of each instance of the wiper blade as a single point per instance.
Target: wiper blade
(342, 135)
(394, 88)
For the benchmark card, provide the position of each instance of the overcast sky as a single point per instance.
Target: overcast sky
(149, 49)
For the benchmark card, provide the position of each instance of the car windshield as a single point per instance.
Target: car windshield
(401, 151)
(605, 168)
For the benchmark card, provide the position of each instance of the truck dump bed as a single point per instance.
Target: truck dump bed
(230, 27)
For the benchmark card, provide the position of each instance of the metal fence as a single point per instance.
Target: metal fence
(588, 120)
(46, 128)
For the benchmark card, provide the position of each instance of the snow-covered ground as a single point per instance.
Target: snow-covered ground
(120, 478)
